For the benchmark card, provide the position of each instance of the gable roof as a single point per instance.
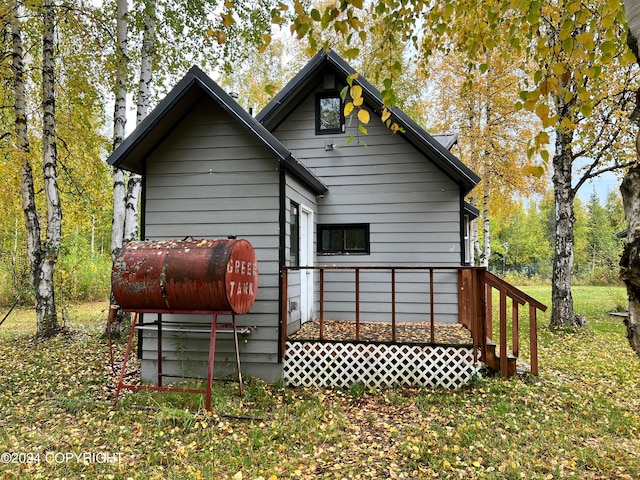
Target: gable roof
(324, 62)
(194, 86)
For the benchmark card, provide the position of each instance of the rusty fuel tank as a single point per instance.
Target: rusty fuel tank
(186, 275)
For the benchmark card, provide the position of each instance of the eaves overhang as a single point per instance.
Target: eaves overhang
(277, 109)
(132, 153)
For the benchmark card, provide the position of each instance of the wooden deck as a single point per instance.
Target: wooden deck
(475, 317)
(378, 332)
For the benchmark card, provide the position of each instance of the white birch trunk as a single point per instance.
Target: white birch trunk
(47, 320)
(562, 313)
(119, 203)
(146, 60)
(119, 123)
(146, 69)
(475, 239)
(32, 221)
(132, 203)
(118, 327)
(630, 189)
(473, 233)
(486, 222)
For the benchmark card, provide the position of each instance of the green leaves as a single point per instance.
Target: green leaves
(609, 47)
(355, 3)
(227, 19)
(351, 53)
(536, 170)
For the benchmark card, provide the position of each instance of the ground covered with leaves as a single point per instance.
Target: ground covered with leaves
(579, 419)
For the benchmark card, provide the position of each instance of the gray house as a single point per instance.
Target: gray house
(291, 183)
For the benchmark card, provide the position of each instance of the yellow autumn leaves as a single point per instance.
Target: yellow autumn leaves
(355, 92)
(240, 476)
(357, 100)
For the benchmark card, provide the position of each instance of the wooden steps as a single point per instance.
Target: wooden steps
(493, 359)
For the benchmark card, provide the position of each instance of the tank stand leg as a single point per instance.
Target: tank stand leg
(212, 353)
(235, 339)
(113, 313)
(126, 359)
(160, 372)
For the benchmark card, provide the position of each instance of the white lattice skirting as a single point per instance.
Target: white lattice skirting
(319, 364)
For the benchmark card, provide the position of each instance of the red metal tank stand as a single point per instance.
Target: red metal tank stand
(215, 327)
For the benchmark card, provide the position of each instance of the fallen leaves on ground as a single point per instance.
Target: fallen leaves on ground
(580, 419)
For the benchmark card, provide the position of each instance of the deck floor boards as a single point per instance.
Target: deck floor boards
(344, 330)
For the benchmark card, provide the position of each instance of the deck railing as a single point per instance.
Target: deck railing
(518, 297)
(475, 307)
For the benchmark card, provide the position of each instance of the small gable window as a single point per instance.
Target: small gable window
(340, 239)
(329, 113)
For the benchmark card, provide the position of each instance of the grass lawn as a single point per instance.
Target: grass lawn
(579, 419)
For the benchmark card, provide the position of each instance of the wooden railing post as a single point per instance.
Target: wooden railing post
(515, 341)
(321, 319)
(284, 319)
(467, 302)
(471, 306)
(393, 304)
(518, 297)
(503, 334)
(357, 304)
(533, 338)
(431, 309)
(488, 296)
(481, 310)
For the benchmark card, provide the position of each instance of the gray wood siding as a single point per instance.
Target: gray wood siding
(210, 179)
(412, 207)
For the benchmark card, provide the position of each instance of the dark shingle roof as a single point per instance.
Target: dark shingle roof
(196, 85)
(323, 62)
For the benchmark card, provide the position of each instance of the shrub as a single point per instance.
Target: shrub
(82, 276)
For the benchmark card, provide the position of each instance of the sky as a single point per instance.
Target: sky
(602, 185)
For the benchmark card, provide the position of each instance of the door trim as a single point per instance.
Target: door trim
(307, 275)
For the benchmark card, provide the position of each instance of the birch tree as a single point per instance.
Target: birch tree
(126, 198)
(22, 150)
(45, 293)
(43, 253)
(493, 136)
(119, 124)
(187, 37)
(134, 184)
(630, 189)
(584, 109)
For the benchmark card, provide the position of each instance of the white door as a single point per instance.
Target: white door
(306, 259)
